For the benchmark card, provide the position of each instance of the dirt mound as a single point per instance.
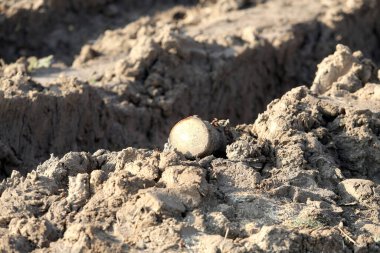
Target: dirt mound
(304, 177)
(61, 27)
(223, 59)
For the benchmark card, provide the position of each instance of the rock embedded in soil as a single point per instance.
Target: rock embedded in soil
(194, 137)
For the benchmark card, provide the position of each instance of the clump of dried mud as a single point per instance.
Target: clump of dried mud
(301, 175)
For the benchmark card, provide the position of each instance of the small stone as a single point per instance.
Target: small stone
(194, 137)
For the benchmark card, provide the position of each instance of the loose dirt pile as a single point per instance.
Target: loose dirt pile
(304, 177)
(223, 59)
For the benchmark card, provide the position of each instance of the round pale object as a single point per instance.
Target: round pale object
(192, 137)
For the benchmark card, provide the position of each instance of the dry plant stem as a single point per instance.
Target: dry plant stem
(347, 236)
(224, 239)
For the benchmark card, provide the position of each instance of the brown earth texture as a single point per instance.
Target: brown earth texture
(90, 89)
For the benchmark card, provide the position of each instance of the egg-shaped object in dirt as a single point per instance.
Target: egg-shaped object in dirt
(194, 137)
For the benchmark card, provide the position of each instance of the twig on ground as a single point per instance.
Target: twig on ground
(224, 239)
(347, 236)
